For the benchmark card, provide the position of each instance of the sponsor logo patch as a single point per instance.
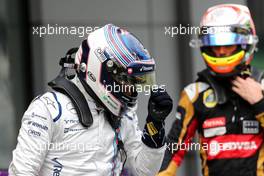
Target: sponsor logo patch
(57, 167)
(209, 99)
(34, 133)
(67, 130)
(35, 124)
(232, 146)
(214, 127)
(49, 102)
(216, 148)
(250, 127)
(217, 131)
(109, 100)
(91, 76)
(145, 68)
(33, 115)
(71, 121)
(214, 122)
(100, 54)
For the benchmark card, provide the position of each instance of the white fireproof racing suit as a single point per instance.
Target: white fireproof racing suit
(51, 141)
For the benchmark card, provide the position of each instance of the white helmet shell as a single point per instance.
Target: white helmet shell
(226, 15)
(110, 43)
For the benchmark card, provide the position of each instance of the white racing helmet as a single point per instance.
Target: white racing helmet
(111, 58)
(225, 25)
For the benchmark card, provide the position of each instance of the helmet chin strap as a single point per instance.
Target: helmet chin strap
(132, 99)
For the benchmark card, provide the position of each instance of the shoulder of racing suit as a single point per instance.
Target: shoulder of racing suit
(194, 89)
(53, 103)
(220, 94)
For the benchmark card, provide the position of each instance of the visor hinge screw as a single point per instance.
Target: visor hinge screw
(110, 63)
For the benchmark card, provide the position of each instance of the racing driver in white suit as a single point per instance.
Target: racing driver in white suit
(85, 127)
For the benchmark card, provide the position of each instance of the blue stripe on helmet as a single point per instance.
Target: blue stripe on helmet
(121, 45)
(124, 62)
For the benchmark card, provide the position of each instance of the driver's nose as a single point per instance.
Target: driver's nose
(221, 51)
(224, 51)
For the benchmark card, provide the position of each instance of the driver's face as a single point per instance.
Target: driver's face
(224, 51)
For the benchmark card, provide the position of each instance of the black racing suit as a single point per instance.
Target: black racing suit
(230, 133)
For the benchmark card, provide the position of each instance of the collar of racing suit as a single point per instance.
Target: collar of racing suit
(222, 87)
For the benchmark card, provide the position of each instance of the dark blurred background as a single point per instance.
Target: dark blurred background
(28, 61)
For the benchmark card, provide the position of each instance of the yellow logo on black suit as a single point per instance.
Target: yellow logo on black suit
(209, 98)
(151, 129)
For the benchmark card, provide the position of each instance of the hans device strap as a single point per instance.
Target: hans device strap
(62, 84)
(65, 86)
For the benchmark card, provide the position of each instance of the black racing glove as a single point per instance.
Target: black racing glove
(159, 107)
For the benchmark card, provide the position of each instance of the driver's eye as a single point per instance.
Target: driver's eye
(221, 51)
